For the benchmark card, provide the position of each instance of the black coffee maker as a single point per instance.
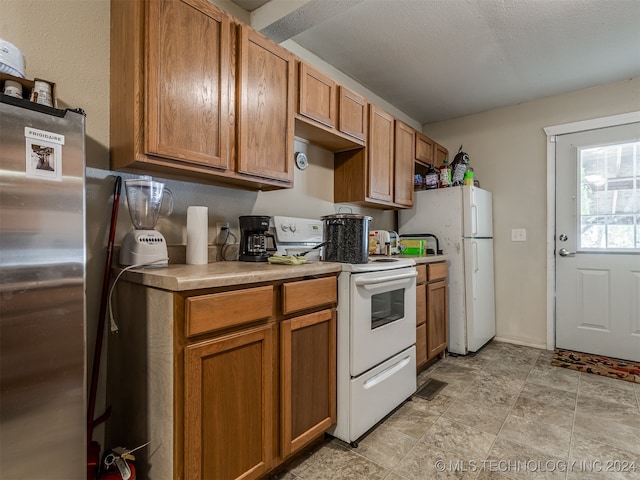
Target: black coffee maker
(254, 239)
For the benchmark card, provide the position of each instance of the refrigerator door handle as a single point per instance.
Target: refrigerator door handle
(474, 219)
(476, 262)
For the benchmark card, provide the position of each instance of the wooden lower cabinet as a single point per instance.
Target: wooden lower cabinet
(308, 378)
(228, 405)
(255, 396)
(431, 312)
(421, 321)
(436, 318)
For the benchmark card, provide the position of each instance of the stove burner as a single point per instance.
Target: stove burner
(384, 260)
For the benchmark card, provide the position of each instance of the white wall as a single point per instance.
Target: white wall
(507, 148)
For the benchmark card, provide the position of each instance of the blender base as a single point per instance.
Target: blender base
(144, 247)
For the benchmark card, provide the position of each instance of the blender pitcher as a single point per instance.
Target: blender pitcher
(145, 198)
(144, 245)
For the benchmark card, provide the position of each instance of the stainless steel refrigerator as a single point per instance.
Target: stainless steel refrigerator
(42, 292)
(462, 219)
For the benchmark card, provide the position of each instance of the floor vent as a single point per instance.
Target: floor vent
(430, 389)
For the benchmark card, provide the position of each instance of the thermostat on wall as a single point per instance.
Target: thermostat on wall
(301, 160)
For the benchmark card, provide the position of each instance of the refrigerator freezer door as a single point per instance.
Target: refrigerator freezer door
(478, 212)
(480, 298)
(42, 296)
(434, 211)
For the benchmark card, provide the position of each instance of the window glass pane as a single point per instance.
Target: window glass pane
(610, 196)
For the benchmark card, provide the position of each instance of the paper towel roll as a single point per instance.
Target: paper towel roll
(197, 235)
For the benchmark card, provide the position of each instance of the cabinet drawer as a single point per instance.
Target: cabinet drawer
(305, 294)
(422, 274)
(436, 271)
(207, 313)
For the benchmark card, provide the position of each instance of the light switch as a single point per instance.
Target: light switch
(518, 234)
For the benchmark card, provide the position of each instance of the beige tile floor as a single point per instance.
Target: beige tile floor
(505, 413)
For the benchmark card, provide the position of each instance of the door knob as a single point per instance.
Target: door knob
(563, 252)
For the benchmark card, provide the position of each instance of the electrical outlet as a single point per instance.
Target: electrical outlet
(222, 229)
(518, 234)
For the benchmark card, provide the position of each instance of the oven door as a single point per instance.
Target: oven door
(383, 316)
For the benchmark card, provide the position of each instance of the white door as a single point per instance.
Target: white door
(598, 241)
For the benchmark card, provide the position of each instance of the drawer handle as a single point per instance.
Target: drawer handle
(369, 281)
(386, 373)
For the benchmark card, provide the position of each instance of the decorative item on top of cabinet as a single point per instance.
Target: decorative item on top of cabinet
(265, 132)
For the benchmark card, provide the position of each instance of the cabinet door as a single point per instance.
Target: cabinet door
(228, 405)
(421, 345)
(421, 304)
(187, 71)
(440, 153)
(424, 149)
(317, 94)
(308, 378)
(352, 114)
(380, 154)
(436, 318)
(265, 132)
(403, 166)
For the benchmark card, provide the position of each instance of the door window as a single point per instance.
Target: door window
(609, 197)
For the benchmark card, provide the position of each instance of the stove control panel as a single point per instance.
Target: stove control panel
(297, 230)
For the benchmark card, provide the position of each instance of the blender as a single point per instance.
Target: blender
(144, 245)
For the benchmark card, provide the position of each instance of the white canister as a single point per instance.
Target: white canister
(12, 88)
(41, 93)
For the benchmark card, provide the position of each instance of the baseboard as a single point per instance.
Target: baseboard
(541, 346)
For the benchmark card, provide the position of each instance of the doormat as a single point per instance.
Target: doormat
(605, 366)
(430, 389)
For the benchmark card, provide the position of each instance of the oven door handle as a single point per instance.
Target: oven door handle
(386, 278)
(386, 373)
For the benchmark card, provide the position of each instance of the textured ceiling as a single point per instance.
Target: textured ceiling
(440, 59)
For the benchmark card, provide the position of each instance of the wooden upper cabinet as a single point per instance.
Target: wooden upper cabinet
(187, 71)
(352, 114)
(317, 95)
(265, 123)
(380, 153)
(440, 153)
(424, 149)
(403, 169)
